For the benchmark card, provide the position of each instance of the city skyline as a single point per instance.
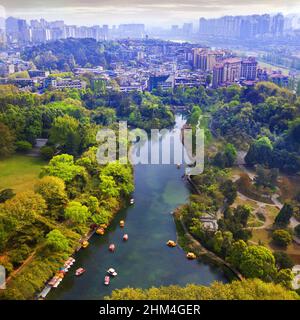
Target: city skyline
(151, 13)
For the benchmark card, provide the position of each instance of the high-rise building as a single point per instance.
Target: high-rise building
(218, 75)
(205, 59)
(39, 31)
(187, 29)
(243, 27)
(249, 69)
(16, 30)
(277, 24)
(70, 31)
(232, 70)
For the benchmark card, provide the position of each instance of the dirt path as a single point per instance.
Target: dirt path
(274, 198)
(15, 272)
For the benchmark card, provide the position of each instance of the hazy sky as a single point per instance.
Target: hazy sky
(150, 12)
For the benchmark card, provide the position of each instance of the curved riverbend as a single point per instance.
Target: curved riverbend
(144, 260)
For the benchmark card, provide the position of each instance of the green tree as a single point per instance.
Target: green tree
(47, 152)
(284, 215)
(108, 186)
(260, 152)
(77, 212)
(195, 115)
(236, 253)
(65, 133)
(258, 262)
(122, 176)
(283, 260)
(57, 241)
(217, 242)
(285, 277)
(282, 237)
(266, 177)
(24, 207)
(229, 190)
(102, 216)
(7, 140)
(104, 116)
(93, 205)
(230, 154)
(63, 167)
(52, 189)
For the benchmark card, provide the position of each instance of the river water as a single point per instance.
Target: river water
(144, 260)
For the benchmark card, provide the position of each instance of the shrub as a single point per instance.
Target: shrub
(23, 146)
(6, 194)
(47, 152)
(282, 237)
(57, 241)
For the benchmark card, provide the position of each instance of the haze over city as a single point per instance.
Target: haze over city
(151, 13)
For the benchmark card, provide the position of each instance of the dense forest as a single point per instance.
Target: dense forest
(64, 55)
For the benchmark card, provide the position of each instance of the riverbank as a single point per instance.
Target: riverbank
(47, 288)
(189, 244)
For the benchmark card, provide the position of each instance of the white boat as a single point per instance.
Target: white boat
(112, 247)
(79, 272)
(131, 201)
(112, 272)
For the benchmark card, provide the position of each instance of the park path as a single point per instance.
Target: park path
(276, 202)
(15, 272)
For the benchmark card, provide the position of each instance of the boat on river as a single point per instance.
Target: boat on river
(191, 255)
(100, 231)
(85, 244)
(131, 201)
(106, 280)
(171, 244)
(112, 272)
(122, 223)
(79, 272)
(112, 247)
(125, 237)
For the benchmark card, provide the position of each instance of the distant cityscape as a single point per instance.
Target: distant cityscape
(141, 65)
(19, 31)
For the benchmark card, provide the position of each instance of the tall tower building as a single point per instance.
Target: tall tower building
(232, 70)
(277, 24)
(249, 69)
(218, 75)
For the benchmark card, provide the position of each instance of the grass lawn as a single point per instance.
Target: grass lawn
(19, 172)
(293, 250)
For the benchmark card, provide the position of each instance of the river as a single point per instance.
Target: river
(144, 260)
